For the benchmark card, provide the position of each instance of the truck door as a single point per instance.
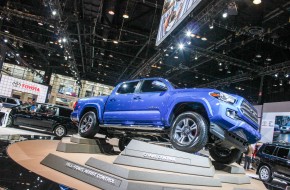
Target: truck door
(118, 107)
(150, 103)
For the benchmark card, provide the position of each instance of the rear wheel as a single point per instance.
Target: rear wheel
(123, 142)
(224, 155)
(265, 174)
(60, 131)
(189, 132)
(88, 126)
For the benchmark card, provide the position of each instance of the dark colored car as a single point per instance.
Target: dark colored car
(47, 117)
(274, 162)
(9, 102)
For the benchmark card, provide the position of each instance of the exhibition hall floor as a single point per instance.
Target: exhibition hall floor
(14, 176)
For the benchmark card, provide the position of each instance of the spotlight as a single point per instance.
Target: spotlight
(166, 54)
(125, 15)
(17, 54)
(188, 43)
(220, 64)
(195, 57)
(192, 35)
(5, 40)
(211, 26)
(276, 75)
(171, 47)
(53, 12)
(181, 46)
(175, 57)
(268, 59)
(286, 75)
(6, 31)
(59, 41)
(111, 12)
(203, 38)
(220, 69)
(115, 42)
(229, 72)
(64, 39)
(256, 2)
(188, 33)
(40, 24)
(196, 76)
(225, 15)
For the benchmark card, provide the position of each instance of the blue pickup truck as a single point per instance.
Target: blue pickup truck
(189, 119)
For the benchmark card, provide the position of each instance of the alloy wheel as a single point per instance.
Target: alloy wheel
(264, 174)
(86, 124)
(186, 131)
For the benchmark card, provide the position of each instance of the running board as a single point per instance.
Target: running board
(134, 127)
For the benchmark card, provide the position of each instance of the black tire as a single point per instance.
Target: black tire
(10, 121)
(265, 174)
(60, 131)
(189, 132)
(123, 142)
(89, 126)
(223, 155)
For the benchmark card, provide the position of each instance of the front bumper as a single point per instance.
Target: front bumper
(285, 129)
(236, 126)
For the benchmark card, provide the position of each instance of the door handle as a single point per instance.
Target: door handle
(137, 98)
(112, 100)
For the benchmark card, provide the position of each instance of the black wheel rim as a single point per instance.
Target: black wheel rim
(186, 132)
(86, 123)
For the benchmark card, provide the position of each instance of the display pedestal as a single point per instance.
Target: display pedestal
(94, 171)
(77, 144)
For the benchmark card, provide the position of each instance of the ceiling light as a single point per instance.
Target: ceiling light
(40, 24)
(64, 39)
(258, 55)
(166, 54)
(17, 54)
(105, 39)
(203, 38)
(181, 46)
(192, 35)
(59, 41)
(268, 59)
(57, 54)
(220, 64)
(188, 43)
(286, 75)
(197, 36)
(256, 2)
(188, 33)
(111, 12)
(110, 55)
(53, 12)
(115, 42)
(6, 31)
(51, 26)
(125, 15)
(5, 40)
(203, 78)
(229, 71)
(102, 53)
(276, 75)
(211, 26)
(175, 57)
(25, 56)
(196, 76)
(281, 83)
(171, 47)
(51, 42)
(225, 15)
(31, 57)
(220, 69)
(195, 57)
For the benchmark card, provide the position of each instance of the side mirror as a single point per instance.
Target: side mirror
(159, 85)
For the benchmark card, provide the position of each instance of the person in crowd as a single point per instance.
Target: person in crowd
(248, 157)
(33, 107)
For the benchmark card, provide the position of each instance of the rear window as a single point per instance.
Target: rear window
(64, 112)
(283, 153)
(269, 150)
(11, 101)
(127, 88)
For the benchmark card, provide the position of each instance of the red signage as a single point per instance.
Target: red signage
(26, 86)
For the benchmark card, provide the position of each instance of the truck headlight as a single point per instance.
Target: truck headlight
(223, 97)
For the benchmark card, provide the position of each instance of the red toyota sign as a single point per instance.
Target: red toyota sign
(26, 86)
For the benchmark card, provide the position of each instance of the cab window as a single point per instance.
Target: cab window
(283, 153)
(148, 86)
(128, 87)
(269, 150)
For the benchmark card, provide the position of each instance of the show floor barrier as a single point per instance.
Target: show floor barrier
(140, 166)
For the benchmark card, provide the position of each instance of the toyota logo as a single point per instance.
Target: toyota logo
(16, 84)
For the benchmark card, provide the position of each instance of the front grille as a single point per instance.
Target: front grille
(249, 112)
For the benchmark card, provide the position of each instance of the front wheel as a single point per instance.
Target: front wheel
(224, 155)
(60, 131)
(265, 174)
(189, 132)
(88, 126)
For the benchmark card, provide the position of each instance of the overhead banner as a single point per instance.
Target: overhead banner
(173, 12)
